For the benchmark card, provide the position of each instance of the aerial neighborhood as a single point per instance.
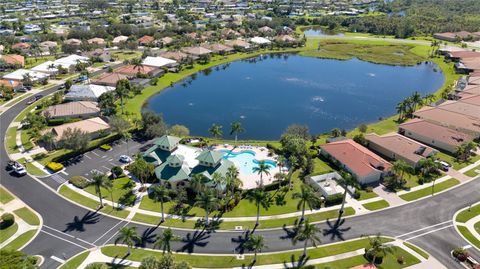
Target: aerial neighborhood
(228, 134)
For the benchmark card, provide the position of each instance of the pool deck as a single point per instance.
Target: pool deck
(252, 181)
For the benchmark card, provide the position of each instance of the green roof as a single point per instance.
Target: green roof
(210, 156)
(175, 159)
(174, 174)
(167, 141)
(222, 169)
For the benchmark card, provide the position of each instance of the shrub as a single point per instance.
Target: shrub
(78, 181)
(401, 260)
(369, 189)
(369, 257)
(105, 147)
(461, 254)
(356, 194)
(334, 199)
(7, 220)
(117, 171)
(55, 167)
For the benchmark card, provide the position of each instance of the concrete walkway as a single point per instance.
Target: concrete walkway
(391, 197)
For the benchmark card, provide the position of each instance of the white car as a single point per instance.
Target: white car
(20, 170)
(125, 159)
(444, 165)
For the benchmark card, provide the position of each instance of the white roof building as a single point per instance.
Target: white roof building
(158, 61)
(120, 39)
(45, 67)
(20, 73)
(71, 60)
(89, 92)
(260, 40)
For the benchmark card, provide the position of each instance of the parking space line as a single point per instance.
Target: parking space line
(110, 160)
(63, 172)
(112, 164)
(95, 153)
(104, 156)
(87, 156)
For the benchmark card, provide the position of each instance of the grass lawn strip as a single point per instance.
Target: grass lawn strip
(472, 173)
(121, 187)
(264, 224)
(428, 190)
(31, 169)
(92, 204)
(18, 99)
(364, 195)
(206, 261)
(5, 196)
(376, 205)
(466, 214)
(75, 262)
(5, 234)
(21, 240)
(28, 216)
(477, 227)
(10, 140)
(468, 235)
(420, 251)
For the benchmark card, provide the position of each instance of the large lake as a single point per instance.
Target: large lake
(269, 93)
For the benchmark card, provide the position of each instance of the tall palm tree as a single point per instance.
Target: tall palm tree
(137, 64)
(163, 240)
(220, 182)
(256, 243)
(293, 166)
(197, 182)
(281, 160)
(261, 198)
(399, 168)
(308, 233)
(215, 131)
(377, 247)
(346, 180)
(416, 100)
(236, 128)
(161, 194)
(232, 178)
(429, 98)
(52, 67)
(208, 202)
(401, 109)
(306, 197)
(128, 236)
(99, 181)
(121, 91)
(261, 169)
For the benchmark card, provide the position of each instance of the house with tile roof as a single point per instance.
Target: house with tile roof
(366, 166)
(109, 79)
(93, 126)
(80, 109)
(11, 61)
(454, 120)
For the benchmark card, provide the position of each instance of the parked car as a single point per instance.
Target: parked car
(31, 101)
(20, 170)
(11, 165)
(125, 159)
(443, 165)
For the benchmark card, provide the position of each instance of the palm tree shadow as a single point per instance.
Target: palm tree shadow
(147, 237)
(290, 232)
(300, 264)
(119, 262)
(78, 224)
(241, 240)
(197, 239)
(335, 230)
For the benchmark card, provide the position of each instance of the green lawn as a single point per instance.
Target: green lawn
(376, 205)
(321, 167)
(417, 249)
(469, 236)
(18, 99)
(456, 164)
(27, 215)
(32, 61)
(10, 140)
(92, 204)
(466, 214)
(264, 224)
(31, 169)
(21, 240)
(5, 196)
(126, 55)
(25, 137)
(472, 173)
(203, 261)
(364, 195)
(428, 191)
(75, 261)
(477, 227)
(122, 188)
(5, 234)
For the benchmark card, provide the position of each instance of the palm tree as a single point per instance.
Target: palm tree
(121, 90)
(281, 160)
(220, 181)
(293, 165)
(262, 168)
(261, 198)
(429, 98)
(416, 99)
(401, 109)
(137, 64)
(99, 181)
(345, 180)
(161, 194)
(306, 197)
(208, 202)
(232, 178)
(163, 240)
(128, 236)
(215, 130)
(256, 244)
(308, 233)
(399, 168)
(52, 67)
(197, 182)
(377, 247)
(236, 128)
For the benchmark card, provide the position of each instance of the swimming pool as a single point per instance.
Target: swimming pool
(245, 161)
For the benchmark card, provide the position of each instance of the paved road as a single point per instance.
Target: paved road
(69, 229)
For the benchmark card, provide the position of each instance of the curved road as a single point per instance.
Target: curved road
(69, 229)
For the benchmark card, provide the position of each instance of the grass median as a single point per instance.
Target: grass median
(27, 215)
(414, 195)
(5, 196)
(468, 235)
(468, 213)
(75, 262)
(21, 240)
(376, 205)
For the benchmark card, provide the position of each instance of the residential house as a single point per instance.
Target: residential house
(97, 41)
(88, 92)
(285, 39)
(437, 136)
(219, 48)
(12, 85)
(21, 46)
(238, 44)
(109, 79)
(196, 51)
(266, 30)
(366, 166)
(46, 46)
(174, 55)
(398, 147)
(47, 67)
(159, 62)
(119, 39)
(132, 71)
(99, 54)
(95, 127)
(73, 42)
(165, 41)
(11, 61)
(146, 40)
(260, 41)
(79, 109)
(464, 123)
(20, 74)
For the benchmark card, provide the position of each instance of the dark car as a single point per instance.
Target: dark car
(31, 101)
(11, 165)
(38, 97)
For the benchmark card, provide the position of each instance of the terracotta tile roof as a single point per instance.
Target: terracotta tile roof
(21, 45)
(72, 109)
(109, 78)
(73, 41)
(96, 40)
(174, 55)
(436, 132)
(88, 126)
(468, 109)
(356, 157)
(11, 84)
(146, 39)
(464, 54)
(196, 51)
(237, 42)
(402, 146)
(13, 59)
(449, 118)
(474, 99)
(474, 80)
(132, 70)
(217, 47)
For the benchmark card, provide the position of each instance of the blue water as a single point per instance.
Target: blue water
(319, 31)
(246, 161)
(268, 94)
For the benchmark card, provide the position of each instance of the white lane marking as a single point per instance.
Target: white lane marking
(62, 261)
(56, 236)
(95, 153)
(108, 240)
(429, 232)
(105, 167)
(424, 228)
(69, 235)
(104, 156)
(110, 160)
(112, 164)
(113, 227)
